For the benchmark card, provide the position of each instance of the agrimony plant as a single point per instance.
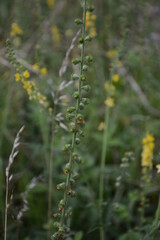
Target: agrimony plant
(76, 125)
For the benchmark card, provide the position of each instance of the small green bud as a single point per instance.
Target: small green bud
(76, 61)
(85, 68)
(66, 147)
(88, 38)
(61, 203)
(71, 109)
(60, 186)
(87, 88)
(78, 21)
(90, 8)
(76, 95)
(83, 78)
(89, 59)
(74, 76)
(80, 117)
(69, 116)
(85, 101)
(75, 156)
(77, 141)
(81, 40)
(81, 106)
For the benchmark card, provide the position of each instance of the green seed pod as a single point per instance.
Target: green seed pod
(81, 106)
(89, 59)
(76, 61)
(78, 21)
(67, 167)
(88, 38)
(77, 141)
(87, 88)
(74, 76)
(60, 186)
(85, 101)
(71, 109)
(76, 95)
(85, 68)
(83, 78)
(75, 156)
(90, 8)
(81, 40)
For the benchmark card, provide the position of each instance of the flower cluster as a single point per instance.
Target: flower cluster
(15, 30)
(90, 23)
(147, 153)
(22, 75)
(76, 125)
(42, 70)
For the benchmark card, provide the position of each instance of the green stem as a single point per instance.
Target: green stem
(102, 171)
(76, 113)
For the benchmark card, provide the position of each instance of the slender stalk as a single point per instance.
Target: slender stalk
(157, 219)
(76, 113)
(6, 209)
(50, 184)
(102, 168)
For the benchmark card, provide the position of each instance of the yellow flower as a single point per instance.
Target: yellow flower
(111, 53)
(101, 126)
(90, 24)
(17, 77)
(147, 153)
(50, 3)
(56, 36)
(26, 74)
(44, 71)
(109, 87)
(109, 102)
(115, 78)
(36, 66)
(15, 30)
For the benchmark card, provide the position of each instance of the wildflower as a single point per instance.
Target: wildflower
(36, 66)
(111, 53)
(115, 78)
(15, 30)
(56, 36)
(90, 24)
(50, 3)
(158, 168)
(109, 102)
(101, 126)
(147, 153)
(44, 71)
(17, 77)
(26, 74)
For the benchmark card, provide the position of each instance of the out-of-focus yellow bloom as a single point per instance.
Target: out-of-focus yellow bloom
(50, 3)
(90, 24)
(111, 53)
(26, 74)
(56, 36)
(109, 87)
(101, 126)
(158, 168)
(44, 71)
(115, 78)
(147, 153)
(118, 63)
(17, 77)
(69, 33)
(36, 66)
(15, 30)
(109, 102)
